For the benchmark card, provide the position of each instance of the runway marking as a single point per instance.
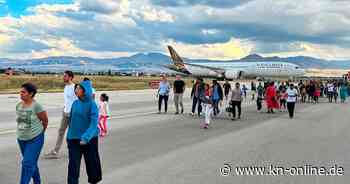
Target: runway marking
(56, 125)
(130, 115)
(3, 132)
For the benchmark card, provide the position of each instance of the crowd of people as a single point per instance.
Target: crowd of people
(210, 98)
(85, 121)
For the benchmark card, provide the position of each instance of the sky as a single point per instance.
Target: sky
(213, 29)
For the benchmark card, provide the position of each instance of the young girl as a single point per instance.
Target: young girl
(207, 106)
(103, 114)
(283, 99)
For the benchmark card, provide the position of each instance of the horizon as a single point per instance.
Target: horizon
(166, 54)
(229, 30)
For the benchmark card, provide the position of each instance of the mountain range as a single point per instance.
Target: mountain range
(150, 62)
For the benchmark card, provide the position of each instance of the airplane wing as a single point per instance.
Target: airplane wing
(176, 69)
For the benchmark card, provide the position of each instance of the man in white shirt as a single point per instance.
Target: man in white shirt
(330, 89)
(292, 98)
(69, 98)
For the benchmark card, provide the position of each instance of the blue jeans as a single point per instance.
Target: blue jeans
(194, 103)
(30, 152)
(216, 106)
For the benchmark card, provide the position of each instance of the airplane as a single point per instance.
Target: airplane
(12, 71)
(234, 70)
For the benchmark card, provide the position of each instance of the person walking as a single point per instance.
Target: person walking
(244, 89)
(312, 91)
(207, 106)
(196, 93)
(82, 136)
(335, 92)
(227, 89)
(163, 94)
(330, 91)
(317, 93)
(104, 114)
(309, 95)
(271, 98)
(253, 90)
(32, 122)
(260, 97)
(322, 89)
(179, 87)
(303, 93)
(217, 96)
(343, 92)
(69, 98)
(291, 100)
(236, 101)
(283, 99)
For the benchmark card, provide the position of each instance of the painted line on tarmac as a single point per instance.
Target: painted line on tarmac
(131, 115)
(3, 132)
(56, 125)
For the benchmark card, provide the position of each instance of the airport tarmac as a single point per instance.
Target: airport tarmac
(147, 148)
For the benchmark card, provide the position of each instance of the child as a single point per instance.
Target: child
(207, 106)
(103, 114)
(283, 99)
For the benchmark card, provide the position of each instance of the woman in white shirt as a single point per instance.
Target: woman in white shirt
(292, 98)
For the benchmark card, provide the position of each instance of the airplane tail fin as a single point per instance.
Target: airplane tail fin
(178, 62)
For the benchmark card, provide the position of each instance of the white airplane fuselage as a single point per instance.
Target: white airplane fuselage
(234, 70)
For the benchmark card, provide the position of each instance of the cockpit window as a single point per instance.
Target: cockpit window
(296, 67)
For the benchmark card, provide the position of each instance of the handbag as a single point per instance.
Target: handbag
(229, 109)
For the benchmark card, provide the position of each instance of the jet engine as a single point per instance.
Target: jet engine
(233, 74)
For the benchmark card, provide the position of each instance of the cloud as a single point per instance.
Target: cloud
(56, 8)
(148, 13)
(205, 27)
(330, 52)
(4, 39)
(20, 45)
(103, 6)
(213, 3)
(66, 47)
(233, 49)
(276, 21)
(57, 25)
